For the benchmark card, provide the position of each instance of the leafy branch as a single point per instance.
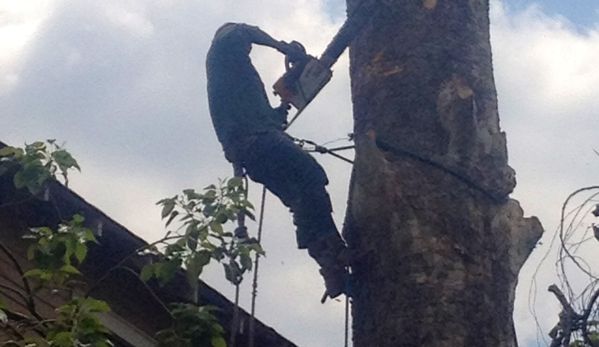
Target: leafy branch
(202, 236)
(34, 164)
(206, 232)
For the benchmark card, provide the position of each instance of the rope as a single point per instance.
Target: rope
(346, 321)
(384, 145)
(238, 172)
(321, 149)
(256, 264)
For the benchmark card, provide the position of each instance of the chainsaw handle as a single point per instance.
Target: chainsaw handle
(295, 53)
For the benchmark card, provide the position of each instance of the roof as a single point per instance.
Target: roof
(126, 294)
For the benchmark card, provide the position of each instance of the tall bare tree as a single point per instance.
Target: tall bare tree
(437, 242)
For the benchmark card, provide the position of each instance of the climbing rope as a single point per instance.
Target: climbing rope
(239, 231)
(386, 146)
(346, 344)
(256, 264)
(316, 148)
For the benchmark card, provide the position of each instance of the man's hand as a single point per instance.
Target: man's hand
(294, 51)
(282, 112)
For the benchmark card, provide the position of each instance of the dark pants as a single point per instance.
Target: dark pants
(294, 176)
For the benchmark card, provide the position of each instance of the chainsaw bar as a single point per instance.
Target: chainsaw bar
(302, 83)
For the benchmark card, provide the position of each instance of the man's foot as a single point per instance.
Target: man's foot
(332, 255)
(336, 282)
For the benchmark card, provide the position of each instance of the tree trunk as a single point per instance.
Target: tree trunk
(437, 246)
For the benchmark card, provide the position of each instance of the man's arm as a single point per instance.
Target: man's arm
(259, 37)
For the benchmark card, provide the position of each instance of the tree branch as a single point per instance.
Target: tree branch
(15, 331)
(124, 260)
(568, 317)
(585, 317)
(29, 301)
(21, 318)
(562, 299)
(561, 228)
(15, 291)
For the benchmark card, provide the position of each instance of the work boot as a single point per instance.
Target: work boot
(331, 254)
(335, 282)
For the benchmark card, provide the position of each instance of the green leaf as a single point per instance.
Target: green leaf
(80, 252)
(218, 342)
(221, 218)
(18, 180)
(31, 252)
(97, 305)
(168, 270)
(63, 339)
(3, 305)
(209, 210)
(147, 272)
(173, 215)
(191, 194)
(70, 269)
(216, 227)
(235, 182)
(167, 208)
(257, 248)
(78, 219)
(192, 237)
(71, 245)
(3, 317)
(45, 231)
(64, 160)
(250, 215)
(89, 236)
(34, 273)
(232, 272)
(246, 261)
(6, 151)
(161, 201)
(195, 265)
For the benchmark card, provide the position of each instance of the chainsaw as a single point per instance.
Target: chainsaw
(306, 76)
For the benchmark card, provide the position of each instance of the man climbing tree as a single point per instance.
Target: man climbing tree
(440, 244)
(251, 133)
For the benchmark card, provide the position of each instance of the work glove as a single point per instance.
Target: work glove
(281, 114)
(294, 51)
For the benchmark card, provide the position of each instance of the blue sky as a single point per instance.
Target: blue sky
(123, 83)
(584, 14)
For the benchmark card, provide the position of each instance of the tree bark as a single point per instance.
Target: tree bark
(436, 244)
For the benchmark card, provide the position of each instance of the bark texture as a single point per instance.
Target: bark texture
(436, 259)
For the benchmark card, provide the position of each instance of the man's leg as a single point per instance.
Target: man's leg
(299, 181)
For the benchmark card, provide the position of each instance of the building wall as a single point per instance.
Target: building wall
(126, 333)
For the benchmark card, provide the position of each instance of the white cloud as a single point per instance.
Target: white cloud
(19, 22)
(546, 74)
(133, 20)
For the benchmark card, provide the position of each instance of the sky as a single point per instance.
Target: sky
(122, 83)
